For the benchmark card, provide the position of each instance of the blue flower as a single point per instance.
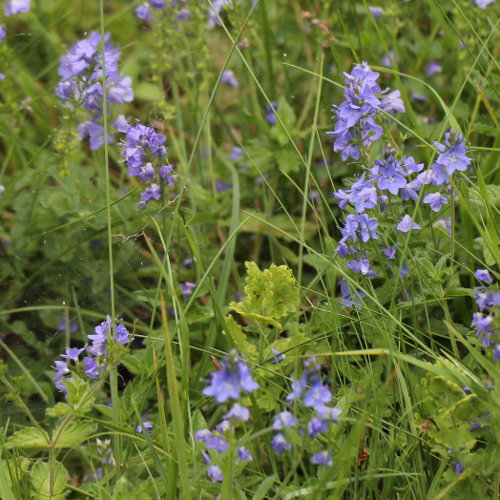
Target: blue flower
(215, 473)
(227, 382)
(483, 275)
(229, 77)
(244, 454)
(317, 396)
(435, 200)
(279, 444)
(284, 419)
(16, 7)
(72, 353)
(407, 223)
(142, 12)
(238, 412)
(322, 458)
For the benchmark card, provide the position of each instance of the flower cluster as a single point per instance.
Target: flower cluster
(228, 382)
(355, 117)
(309, 393)
(93, 366)
(483, 321)
(81, 71)
(141, 148)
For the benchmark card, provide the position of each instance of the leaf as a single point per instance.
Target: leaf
(29, 437)
(79, 397)
(41, 475)
(269, 295)
(235, 332)
(72, 434)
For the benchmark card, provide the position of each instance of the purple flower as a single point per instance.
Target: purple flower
(317, 426)
(72, 353)
(152, 192)
(390, 179)
(298, 386)
(279, 444)
(122, 334)
(187, 288)
(482, 4)
(270, 116)
(284, 419)
(459, 468)
(236, 153)
(376, 12)
(165, 171)
(221, 186)
(3, 32)
(496, 352)
(406, 224)
(146, 172)
(145, 425)
(157, 4)
(453, 153)
(389, 252)
(483, 275)
(94, 132)
(432, 68)
(435, 200)
(317, 396)
(142, 12)
(362, 266)
(393, 102)
(227, 382)
(216, 443)
(278, 357)
(91, 368)
(244, 454)
(322, 458)
(66, 323)
(229, 77)
(347, 295)
(16, 7)
(238, 412)
(215, 473)
(61, 368)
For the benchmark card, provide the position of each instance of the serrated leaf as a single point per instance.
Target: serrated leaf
(235, 332)
(78, 396)
(29, 437)
(59, 410)
(72, 434)
(269, 295)
(49, 482)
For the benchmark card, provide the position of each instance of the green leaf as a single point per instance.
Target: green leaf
(29, 437)
(72, 434)
(49, 484)
(79, 397)
(269, 295)
(235, 332)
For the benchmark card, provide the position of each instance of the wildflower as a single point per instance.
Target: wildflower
(376, 12)
(152, 192)
(145, 425)
(278, 357)
(217, 443)
(229, 77)
(458, 467)
(453, 154)
(216, 8)
(484, 330)
(236, 153)
(104, 449)
(61, 368)
(66, 323)
(362, 266)
(16, 7)
(483, 275)
(72, 353)
(222, 186)
(347, 295)
(165, 174)
(238, 412)
(284, 419)
(482, 4)
(435, 200)
(389, 252)
(142, 12)
(223, 427)
(270, 113)
(496, 352)
(91, 368)
(94, 132)
(187, 289)
(322, 458)
(215, 473)
(317, 426)
(244, 454)
(3, 32)
(432, 68)
(157, 4)
(406, 224)
(232, 377)
(279, 444)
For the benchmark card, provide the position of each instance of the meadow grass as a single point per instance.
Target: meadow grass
(418, 390)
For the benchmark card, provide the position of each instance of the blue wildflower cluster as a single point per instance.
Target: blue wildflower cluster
(95, 365)
(229, 382)
(9, 9)
(142, 148)
(81, 72)
(355, 118)
(487, 301)
(309, 393)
